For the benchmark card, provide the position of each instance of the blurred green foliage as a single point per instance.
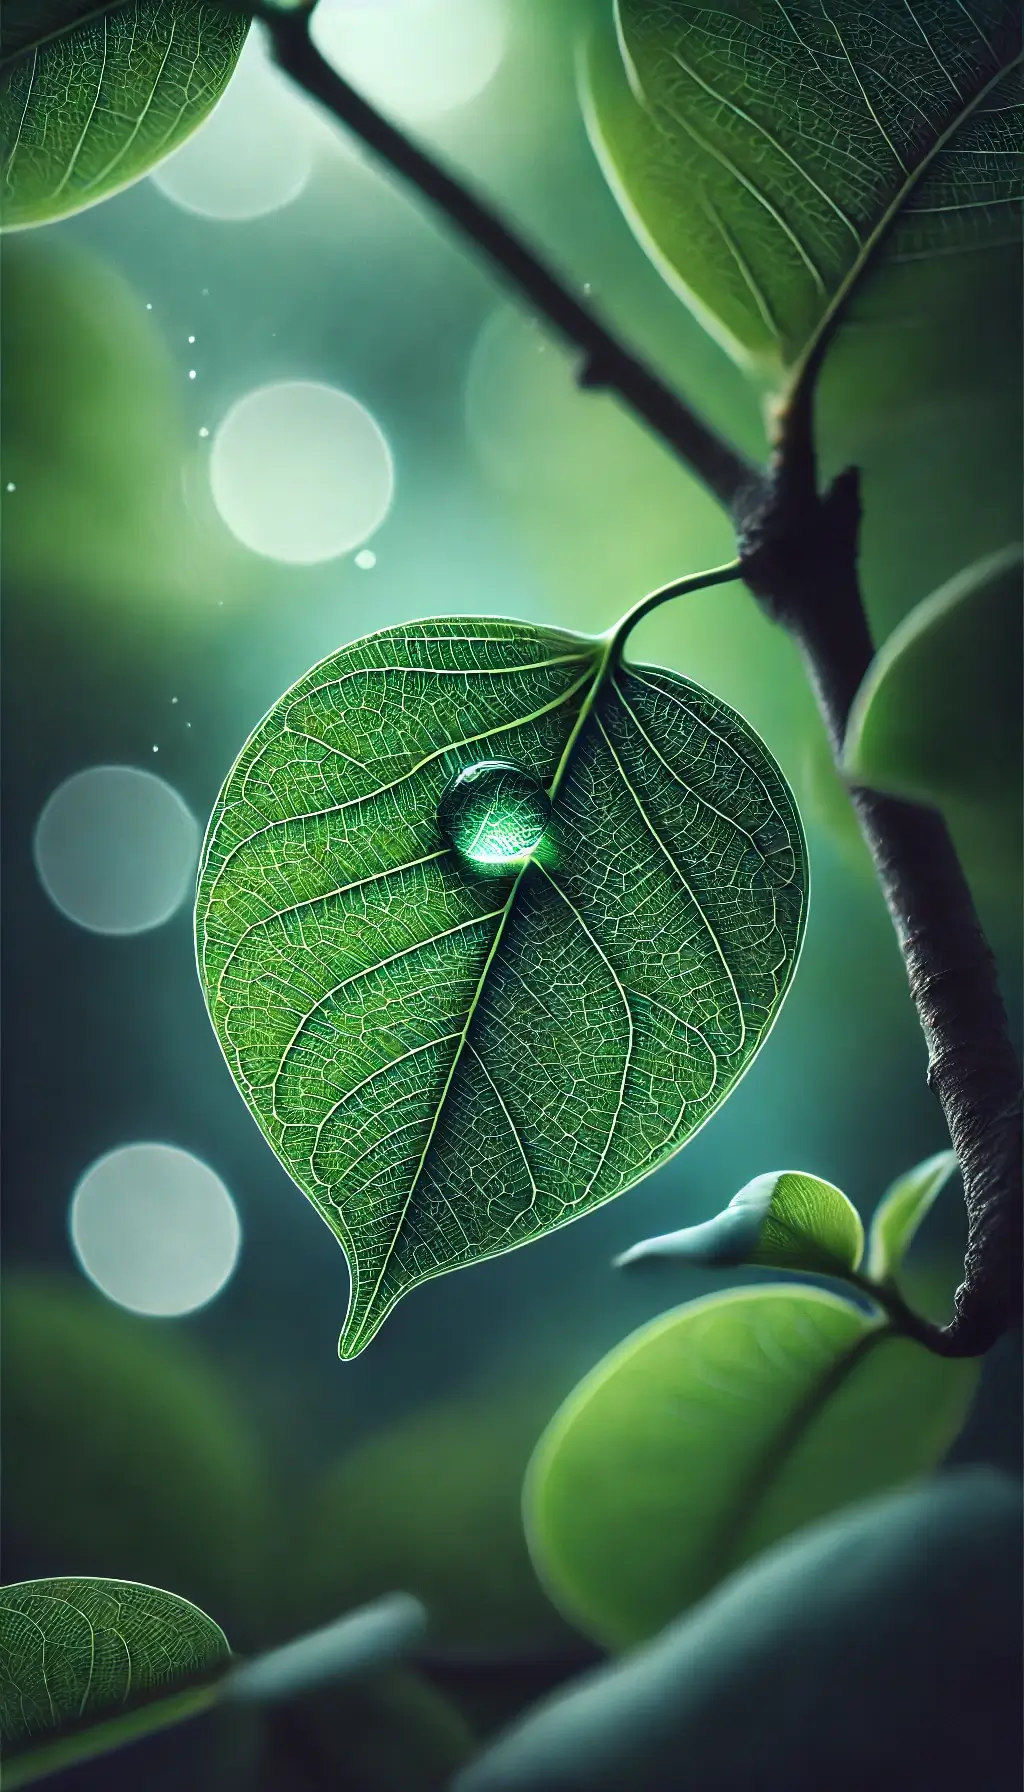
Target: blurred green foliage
(126, 1454)
(433, 1506)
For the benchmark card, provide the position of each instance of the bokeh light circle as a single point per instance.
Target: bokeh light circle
(301, 472)
(254, 153)
(116, 849)
(415, 59)
(155, 1229)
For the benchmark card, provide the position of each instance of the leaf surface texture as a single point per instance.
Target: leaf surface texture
(451, 1063)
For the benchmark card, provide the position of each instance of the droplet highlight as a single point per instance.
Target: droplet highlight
(494, 812)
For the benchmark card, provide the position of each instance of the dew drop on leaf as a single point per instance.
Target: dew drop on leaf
(494, 811)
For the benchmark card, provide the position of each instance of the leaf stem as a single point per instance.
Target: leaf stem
(694, 581)
(901, 1317)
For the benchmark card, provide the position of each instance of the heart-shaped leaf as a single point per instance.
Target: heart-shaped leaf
(938, 717)
(717, 1430)
(452, 1058)
(92, 96)
(77, 1650)
(880, 1648)
(785, 1219)
(901, 1210)
(765, 153)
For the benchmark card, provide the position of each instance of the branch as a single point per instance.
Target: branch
(799, 554)
(606, 362)
(800, 560)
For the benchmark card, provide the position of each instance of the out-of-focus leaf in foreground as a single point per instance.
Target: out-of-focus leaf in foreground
(715, 1431)
(450, 1058)
(882, 1647)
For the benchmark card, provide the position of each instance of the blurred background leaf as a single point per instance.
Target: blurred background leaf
(126, 1454)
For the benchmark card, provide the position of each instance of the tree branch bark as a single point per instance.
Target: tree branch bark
(799, 552)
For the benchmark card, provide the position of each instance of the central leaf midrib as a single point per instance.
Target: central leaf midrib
(772, 1459)
(608, 653)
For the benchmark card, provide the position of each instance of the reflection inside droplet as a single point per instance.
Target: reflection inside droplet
(494, 812)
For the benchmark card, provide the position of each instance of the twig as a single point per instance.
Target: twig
(799, 551)
(606, 363)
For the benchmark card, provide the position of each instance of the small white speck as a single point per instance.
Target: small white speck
(587, 286)
(149, 307)
(156, 749)
(191, 338)
(205, 292)
(188, 724)
(220, 603)
(191, 373)
(174, 699)
(204, 431)
(365, 559)
(11, 487)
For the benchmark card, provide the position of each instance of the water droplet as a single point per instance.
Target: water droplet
(191, 373)
(204, 432)
(494, 812)
(366, 559)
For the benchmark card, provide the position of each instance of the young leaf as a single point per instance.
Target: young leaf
(785, 1219)
(452, 1057)
(717, 1430)
(92, 97)
(763, 153)
(76, 1649)
(905, 1612)
(938, 717)
(901, 1210)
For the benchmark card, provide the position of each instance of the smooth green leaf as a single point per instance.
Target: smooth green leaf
(938, 717)
(763, 153)
(880, 1648)
(785, 1219)
(92, 98)
(77, 1649)
(452, 1060)
(901, 1210)
(717, 1430)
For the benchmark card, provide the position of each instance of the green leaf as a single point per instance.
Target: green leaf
(715, 1431)
(75, 1650)
(785, 1219)
(91, 98)
(938, 717)
(880, 1648)
(453, 1059)
(764, 153)
(901, 1210)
